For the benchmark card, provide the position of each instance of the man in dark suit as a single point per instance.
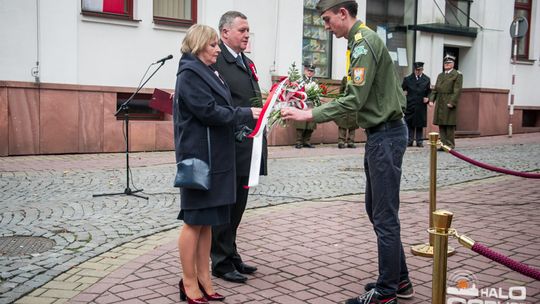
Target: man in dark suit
(240, 74)
(416, 87)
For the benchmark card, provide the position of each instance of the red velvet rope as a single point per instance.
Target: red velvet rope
(492, 168)
(506, 261)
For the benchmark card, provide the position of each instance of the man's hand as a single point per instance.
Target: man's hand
(296, 114)
(256, 112)
(426, 100)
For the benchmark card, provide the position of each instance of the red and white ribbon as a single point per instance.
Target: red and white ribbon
(258, 132)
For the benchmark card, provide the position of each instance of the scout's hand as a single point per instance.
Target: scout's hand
(296, 114)
(449, 106)
(256, 112)
(431, 103)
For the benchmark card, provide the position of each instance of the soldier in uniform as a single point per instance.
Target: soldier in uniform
(305, 129)
(374, 94)
(446, 97)
(347, 124)
(417, 87)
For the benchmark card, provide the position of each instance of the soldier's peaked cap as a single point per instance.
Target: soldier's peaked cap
(449, 58)
(325, 5)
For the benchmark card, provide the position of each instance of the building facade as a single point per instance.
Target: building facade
(66, 65)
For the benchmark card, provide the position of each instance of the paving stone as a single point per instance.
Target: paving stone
(95, 225)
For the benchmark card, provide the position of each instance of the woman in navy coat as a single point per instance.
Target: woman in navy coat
(202, 100)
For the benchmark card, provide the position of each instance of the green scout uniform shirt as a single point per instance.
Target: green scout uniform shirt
(374, 92)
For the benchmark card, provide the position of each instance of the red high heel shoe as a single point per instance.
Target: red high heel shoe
(213, 297)
(184, 297)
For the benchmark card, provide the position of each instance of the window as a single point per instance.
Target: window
(317, 42)
(388, 19)
(120, 9)
(175, 12)
(523, 8)
(458, 12)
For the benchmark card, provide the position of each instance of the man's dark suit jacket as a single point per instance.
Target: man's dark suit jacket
(245, 92)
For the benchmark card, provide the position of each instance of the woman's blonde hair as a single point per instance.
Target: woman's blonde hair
(198, 36)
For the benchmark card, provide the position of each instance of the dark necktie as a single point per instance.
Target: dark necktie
(240, 61)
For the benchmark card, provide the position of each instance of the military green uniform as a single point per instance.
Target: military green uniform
(304, 129)
(373, 92)
(447, 91)
(347, 123)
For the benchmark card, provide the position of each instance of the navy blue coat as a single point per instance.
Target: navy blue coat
(202, 100)
(416, 112)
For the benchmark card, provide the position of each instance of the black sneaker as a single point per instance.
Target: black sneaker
(405, 289)
(372, 297)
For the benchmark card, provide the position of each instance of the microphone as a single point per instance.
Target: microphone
(162, 60)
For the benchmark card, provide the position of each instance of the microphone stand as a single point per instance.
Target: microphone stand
(125, 107)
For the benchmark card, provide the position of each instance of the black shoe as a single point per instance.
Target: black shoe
(351, 145)
(244, 268)
(405, 289)
(308, 145)
(298, 146)
(420, 145)
(341, 146)
(372, 297)
(233, 276)
(409, 144)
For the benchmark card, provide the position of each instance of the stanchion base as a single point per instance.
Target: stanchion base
(425, 250)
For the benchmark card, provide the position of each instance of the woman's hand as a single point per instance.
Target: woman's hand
(256, 112)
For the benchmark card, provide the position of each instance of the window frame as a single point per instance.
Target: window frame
(127, 16)
(458, 11)
(526, 40)
(177, 22)
(309, 7)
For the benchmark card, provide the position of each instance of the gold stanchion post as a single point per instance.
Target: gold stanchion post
(426, 249)
(442, 220)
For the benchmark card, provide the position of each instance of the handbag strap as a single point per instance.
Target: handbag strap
(209, 151)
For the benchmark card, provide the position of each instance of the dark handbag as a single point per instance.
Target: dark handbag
(193, 173)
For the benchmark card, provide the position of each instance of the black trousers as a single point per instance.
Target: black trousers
(382, 163)
(224, 254)
(415, 133)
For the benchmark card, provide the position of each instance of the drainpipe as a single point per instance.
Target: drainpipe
(415, 31)
(35, 70)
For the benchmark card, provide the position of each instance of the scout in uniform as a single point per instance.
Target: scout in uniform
(305, 129)
(373, 92)
(347, 124)
(446, 97)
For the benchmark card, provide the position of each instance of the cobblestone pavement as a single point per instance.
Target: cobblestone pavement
(51, 197)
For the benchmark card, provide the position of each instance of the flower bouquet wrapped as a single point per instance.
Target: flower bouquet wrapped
(295, 93)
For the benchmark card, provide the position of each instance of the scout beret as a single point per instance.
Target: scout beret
(325, 5)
